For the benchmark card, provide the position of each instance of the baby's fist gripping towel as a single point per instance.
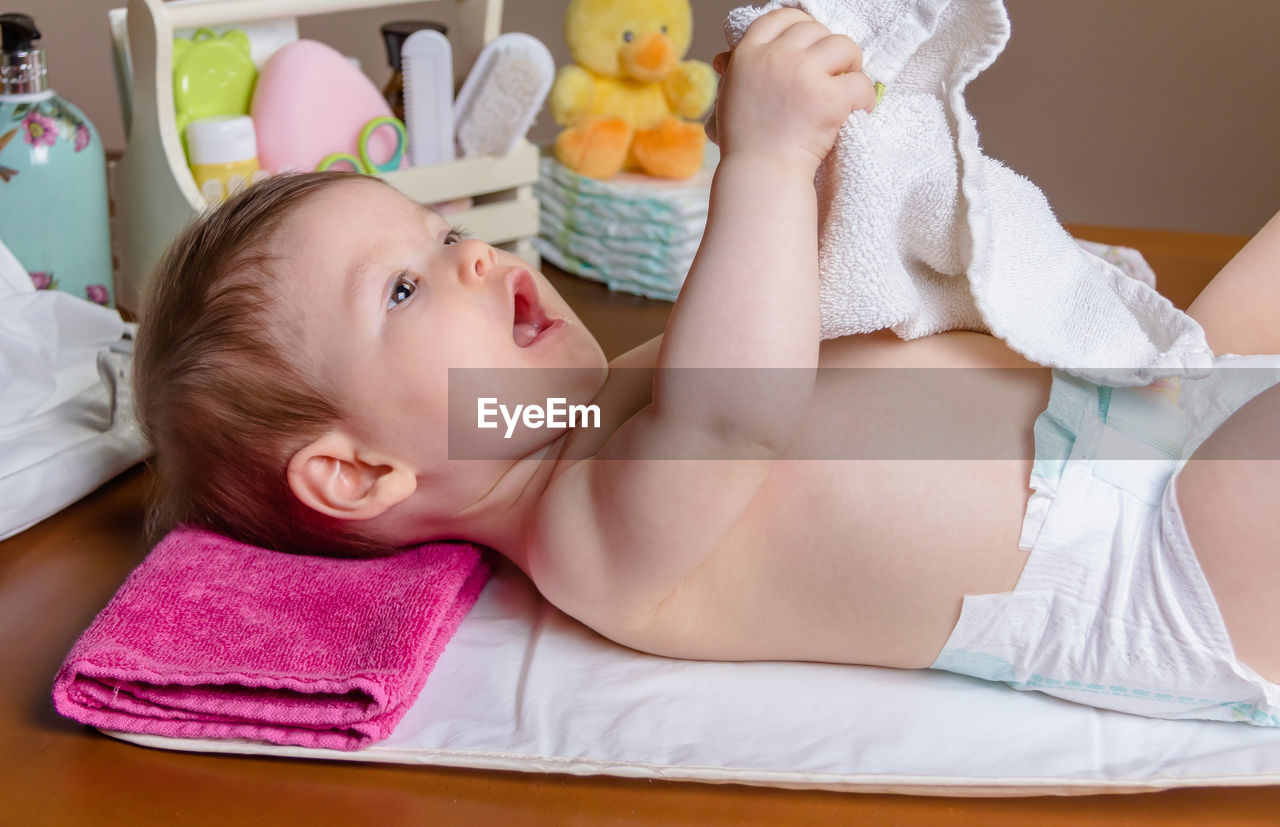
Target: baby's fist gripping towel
(210, 638)
(920, 232)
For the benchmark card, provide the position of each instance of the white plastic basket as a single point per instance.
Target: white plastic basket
(155, 194)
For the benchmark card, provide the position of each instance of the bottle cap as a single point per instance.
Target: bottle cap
(222, 139)
(398, 31)
(22, 67)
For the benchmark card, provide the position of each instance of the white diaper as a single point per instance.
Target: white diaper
(1112, 609)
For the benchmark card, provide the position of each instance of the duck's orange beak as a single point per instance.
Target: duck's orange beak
(649, 57)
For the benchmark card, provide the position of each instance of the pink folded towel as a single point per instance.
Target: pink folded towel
(210, 638)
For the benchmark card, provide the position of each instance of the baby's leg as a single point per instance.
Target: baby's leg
(1230, 498)
(1240, 309)
(1230, 491)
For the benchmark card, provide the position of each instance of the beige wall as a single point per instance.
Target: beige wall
(1151, 113)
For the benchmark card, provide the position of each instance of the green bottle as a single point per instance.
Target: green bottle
(53, 175)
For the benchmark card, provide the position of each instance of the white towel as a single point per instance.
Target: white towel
(920, 232)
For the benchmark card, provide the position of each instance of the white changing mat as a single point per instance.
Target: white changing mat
(523, 687)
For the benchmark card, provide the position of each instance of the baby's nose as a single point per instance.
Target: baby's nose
(475, 259)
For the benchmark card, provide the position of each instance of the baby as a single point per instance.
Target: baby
(294, 374)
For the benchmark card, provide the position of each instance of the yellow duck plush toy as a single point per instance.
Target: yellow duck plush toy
(624, 100)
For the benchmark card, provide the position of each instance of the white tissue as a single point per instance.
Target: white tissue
(66, 412)
(14, 278)
(49, 342)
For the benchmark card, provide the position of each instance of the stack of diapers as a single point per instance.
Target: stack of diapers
(210, 638)
(920, 232)
(635, 233)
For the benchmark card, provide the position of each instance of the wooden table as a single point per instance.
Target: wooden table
(56, 576)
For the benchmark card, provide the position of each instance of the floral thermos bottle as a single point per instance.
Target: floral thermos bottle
(53, 176)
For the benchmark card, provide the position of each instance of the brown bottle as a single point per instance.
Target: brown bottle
(394, 34)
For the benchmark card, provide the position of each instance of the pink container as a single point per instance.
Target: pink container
(311, 102)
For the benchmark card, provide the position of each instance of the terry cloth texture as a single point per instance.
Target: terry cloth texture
(920, 232)
(211, 638)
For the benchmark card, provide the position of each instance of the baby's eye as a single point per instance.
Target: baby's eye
(403, 288)
(455, 235)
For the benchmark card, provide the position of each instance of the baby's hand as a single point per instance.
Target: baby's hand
(787, 88)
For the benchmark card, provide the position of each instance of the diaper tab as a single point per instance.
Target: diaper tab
(1071, 399)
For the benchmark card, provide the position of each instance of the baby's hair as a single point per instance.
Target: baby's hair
(221, 393)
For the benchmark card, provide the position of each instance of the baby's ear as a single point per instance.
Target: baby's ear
(334, 476)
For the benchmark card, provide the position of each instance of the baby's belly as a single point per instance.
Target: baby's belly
(860, 549)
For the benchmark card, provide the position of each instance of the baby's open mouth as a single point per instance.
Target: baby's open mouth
(529, 322)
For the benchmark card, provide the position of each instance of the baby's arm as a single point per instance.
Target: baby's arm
(737, 362)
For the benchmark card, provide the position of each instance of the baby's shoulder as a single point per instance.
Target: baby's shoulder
(572, 556)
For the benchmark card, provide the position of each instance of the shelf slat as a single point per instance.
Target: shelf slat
(195, 15)
(469, 176)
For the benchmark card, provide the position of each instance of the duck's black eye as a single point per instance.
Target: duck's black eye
(628, 36)
(664, 29)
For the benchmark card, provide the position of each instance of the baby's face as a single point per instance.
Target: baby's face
(389, 297)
